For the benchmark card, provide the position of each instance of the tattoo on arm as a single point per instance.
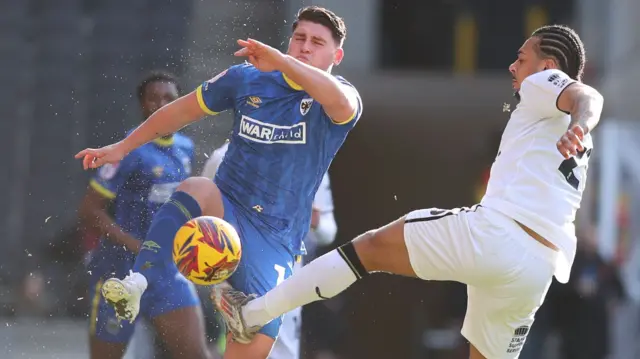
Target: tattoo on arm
(586, 109)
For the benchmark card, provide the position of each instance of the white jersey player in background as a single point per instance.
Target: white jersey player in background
(506, 249)
(323, 233)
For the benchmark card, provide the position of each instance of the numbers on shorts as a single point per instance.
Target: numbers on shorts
(568, 167)
(281, 272)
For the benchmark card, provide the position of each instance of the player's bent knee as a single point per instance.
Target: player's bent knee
(206, 193)
(384, 250)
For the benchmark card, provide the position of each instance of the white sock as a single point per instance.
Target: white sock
(323, 278)
(139, 279)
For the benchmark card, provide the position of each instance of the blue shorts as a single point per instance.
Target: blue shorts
(174, 292)
(264, 264)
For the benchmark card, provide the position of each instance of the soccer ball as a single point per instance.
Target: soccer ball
(207, 250)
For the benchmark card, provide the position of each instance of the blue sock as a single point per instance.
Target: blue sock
(155, 255)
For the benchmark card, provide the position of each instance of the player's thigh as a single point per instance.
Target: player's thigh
(176, 313)
(108, 338)
(439, 243)
(206, 193)
(265, 263)
(498, 319)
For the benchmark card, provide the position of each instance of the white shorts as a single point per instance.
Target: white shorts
(506, 271)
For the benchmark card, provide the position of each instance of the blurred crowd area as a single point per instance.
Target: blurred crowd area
(68, 71)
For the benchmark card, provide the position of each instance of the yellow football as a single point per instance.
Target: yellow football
(207, 250)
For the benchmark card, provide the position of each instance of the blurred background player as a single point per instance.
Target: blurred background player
(323, 233)
(120, 202)
(507, 249)
(291, 117)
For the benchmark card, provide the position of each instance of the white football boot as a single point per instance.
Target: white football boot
(124, 295)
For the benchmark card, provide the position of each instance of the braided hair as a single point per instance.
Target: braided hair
(564, 45)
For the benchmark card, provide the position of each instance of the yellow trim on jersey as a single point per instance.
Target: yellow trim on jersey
(164, 142)
(297, 87)
(292, 84)
(95, 304)
(201, 102)
(101, 189)
(347, 121)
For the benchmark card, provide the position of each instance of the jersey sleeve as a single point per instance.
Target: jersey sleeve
(218, 94)
(109, 178)
(351, 91)
(541, 90)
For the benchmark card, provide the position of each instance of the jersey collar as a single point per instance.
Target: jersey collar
(291, 84)
(163, 142)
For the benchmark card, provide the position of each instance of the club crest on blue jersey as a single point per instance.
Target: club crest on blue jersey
(261, 132)
(305, 105)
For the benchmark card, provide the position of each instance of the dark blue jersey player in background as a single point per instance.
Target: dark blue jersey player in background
(291, 117)
(134, 189)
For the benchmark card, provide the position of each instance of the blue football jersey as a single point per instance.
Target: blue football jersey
(281, 146)
(139, 185)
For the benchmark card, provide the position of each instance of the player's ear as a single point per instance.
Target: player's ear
(550, 64)
(338, 56)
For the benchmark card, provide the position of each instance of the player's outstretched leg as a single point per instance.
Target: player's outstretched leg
(194, 197)
(381, 250)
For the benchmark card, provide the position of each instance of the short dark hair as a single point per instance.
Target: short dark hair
(325, 17)
(564, 45)
(156, 76)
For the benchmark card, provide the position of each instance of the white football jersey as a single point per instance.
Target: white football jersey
(530, 180)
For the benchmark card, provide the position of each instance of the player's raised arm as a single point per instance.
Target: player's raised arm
(314, 48)
(165, 121)
(584, 103)
(212, 97)
(339, 101)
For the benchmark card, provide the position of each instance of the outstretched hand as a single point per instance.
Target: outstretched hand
(96, 157)
(263, 57)
(571, 142)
